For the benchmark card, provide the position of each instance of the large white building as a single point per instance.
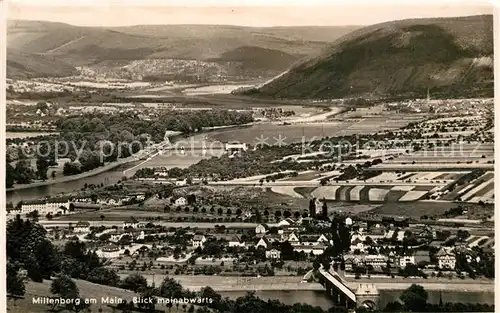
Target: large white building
(110, 251)
(45, 207)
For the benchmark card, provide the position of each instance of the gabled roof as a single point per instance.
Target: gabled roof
(444, 252)
(266, 241)
(235, 238)
(198, 237)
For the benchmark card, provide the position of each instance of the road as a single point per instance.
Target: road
(315, 183)
(65, 223)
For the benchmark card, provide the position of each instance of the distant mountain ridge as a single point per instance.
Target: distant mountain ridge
(87, 46)
(452, 57)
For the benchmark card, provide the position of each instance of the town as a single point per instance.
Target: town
(205, 166)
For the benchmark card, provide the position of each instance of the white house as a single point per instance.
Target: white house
(131, 222)
(82, 227)
(180, 201)
(263, 242)
(141, 236)
(446, 258)
(293, 239)
(261, 229)
(236, 242)
(348, 222)
(198, 241)
(273, 254)
(405, 260)
(110, 251)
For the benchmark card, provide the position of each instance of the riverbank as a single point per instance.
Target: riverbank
(237, 283)
(173, 139)
(64, 179)
(174, 136)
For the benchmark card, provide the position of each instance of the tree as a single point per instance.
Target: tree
(170, 288)
(287, 251)
(324, 208)
(15, 283)
(147, 300)
(134, 282)
(64, 287)
(42, 166)
(209, 293)
(191, 199)
(312, 207)
(23, 172)
(10, 176)
(277, 213)
(414, 298)
(103, 276)
(27, 244)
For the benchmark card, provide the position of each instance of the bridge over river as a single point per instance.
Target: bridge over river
(366, 292)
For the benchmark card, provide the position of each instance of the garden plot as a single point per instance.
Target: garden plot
(355, 193)
(306, 175)
(477, 241)
(426, 176)
(487, 180)
(328, 175)
(430, 166)
(343, 194)
(327, 192)
(450, 176)
(485, 194)
(376, 194)
(449, 134)
(403, 188)
(287, 191)
(413, 196)
(453, 119)
(440, 157)
(384, 177)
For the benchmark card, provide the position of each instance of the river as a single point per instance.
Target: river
(321, 299)
(21, 135)
(212, 140)
(266, 133)
(170, 159)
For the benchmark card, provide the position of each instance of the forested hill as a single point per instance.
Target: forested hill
(452, 57)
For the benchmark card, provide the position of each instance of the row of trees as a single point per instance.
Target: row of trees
(414, 299)
(183, 121)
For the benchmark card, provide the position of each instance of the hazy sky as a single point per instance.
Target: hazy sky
(236, 12)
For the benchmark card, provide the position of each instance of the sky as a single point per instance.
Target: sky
(258, 13)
